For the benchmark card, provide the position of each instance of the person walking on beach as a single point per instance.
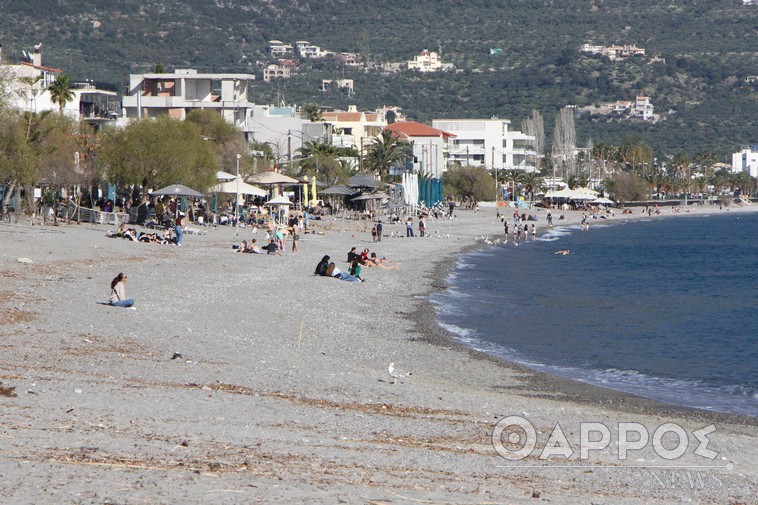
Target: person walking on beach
(534, 232)
(421, 226)
(379, 231)
(178, 228)
(373, 234)
(409, 227)
(118, 293)
(505, 226)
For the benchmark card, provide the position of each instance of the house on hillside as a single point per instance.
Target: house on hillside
(307, 50)
(428, 61)
(337, 84)
(489, 143)
(430, 146)
(276, 71)
(177, 94)
(279, 49)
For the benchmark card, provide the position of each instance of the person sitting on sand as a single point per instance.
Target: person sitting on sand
(253, 248)
(333, 271)
(363, 257)
(273, 248)
(355, 269)
(322, 266)
(562, 252)
(118, 293)
(352, 255)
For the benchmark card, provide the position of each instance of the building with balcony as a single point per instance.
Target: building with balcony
(489, 143)
(353, 128)
(746, 161)
(177, 94)
(27, 88)
(276, 71)
(428, 61)
(279, 49)
(430, 146)
(307, 50)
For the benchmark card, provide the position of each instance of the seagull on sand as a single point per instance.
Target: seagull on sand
(394, 374)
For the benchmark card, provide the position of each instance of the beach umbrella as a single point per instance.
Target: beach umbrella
(225, 176)
(305, 191)
(272, 178)
(177, 190)
(603, 201)
(314, 183)
(371, 196)
(363, 181)
(338, 190)
(561, 193)
(279, 200)
(244, 188)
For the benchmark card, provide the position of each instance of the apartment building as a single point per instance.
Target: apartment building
(178, 93)
(746, 160)
(430, 146)
(488, 142)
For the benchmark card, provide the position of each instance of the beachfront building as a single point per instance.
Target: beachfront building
(430, 146)
(353, 128)
(177, 94)
(489, 143)
(746, 161)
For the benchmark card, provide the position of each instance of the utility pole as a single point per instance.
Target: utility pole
(289, 148)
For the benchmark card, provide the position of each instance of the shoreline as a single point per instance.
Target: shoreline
(282, 392)
(555, 386)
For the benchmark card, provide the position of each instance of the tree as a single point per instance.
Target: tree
(157, 152)
(564, 140)
(474, 183)
(625, 187)
(385, 151)
(61, 92)
(534, 125)
(512, 178)
(312, 112)
(227, 140)
(532, 183)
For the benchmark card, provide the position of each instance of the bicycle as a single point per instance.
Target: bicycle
(7, 210)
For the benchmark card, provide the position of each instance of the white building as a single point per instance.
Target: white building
(26, 86)
(428, 61)
(273, 71)
(746, 161)
(178, 93)
(307, 50)
(279, 49)
(488, 142)
(643, 109)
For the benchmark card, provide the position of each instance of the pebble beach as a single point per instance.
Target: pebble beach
(244, 378)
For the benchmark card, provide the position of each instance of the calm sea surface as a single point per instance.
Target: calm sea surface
(666, 308)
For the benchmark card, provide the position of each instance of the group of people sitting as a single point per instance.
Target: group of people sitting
(252, 248)
(327, 268)
(133, 235)
(368, 259)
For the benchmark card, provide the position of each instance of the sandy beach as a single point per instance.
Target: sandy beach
(281, 392)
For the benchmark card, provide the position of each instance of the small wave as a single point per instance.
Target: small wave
(457, 330)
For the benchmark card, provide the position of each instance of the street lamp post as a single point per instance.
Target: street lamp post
(237, 195)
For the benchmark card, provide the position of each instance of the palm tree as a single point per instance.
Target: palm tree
(385, 150)
(532, 182)
(312, 112)
(61, 92)
(512, 176)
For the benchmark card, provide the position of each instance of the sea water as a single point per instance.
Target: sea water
(665, 308)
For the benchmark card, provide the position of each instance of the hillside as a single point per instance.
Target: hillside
(708, 48)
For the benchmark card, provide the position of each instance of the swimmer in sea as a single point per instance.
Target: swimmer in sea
(562, 252)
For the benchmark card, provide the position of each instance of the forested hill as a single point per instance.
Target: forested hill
(706, 48)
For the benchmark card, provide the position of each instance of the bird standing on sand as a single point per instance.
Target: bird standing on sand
(394, 374)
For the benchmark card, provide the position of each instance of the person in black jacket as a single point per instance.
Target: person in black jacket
(322, 266)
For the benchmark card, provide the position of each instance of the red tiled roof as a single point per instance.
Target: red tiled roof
(46, 69)
(414, 129)
(342, 116)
